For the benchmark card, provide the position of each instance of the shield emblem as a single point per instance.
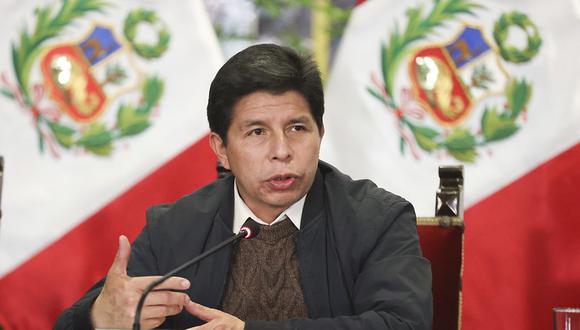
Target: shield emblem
(71, 85)
(83, 78)
(450, 79)
(437, 85)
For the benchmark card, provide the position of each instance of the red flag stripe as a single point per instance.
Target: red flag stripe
(58, 275)
(521, 245)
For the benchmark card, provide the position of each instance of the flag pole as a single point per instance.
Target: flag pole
(320, 30)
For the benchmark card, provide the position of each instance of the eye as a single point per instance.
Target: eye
(257, 131)
(298, 128)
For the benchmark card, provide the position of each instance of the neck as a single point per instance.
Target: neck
(268, 216)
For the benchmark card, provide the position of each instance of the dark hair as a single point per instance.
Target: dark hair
(265, 67)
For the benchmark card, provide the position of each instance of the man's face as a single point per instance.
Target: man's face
(273, 144)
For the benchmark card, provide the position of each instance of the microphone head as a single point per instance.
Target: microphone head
(251, 228)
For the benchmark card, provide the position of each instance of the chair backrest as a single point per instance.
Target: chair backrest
(441, 240)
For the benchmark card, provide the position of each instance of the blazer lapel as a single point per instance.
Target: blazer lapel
(311, 249)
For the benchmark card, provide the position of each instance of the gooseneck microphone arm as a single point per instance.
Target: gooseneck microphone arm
(249, 230)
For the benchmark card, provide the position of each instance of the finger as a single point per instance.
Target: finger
(206, 326)
(119, 265)
(218, 324)
(151, 323)
(166, 298)
(172, 283)
(156, 312)
(204, 313)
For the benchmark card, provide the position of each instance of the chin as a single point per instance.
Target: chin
(285, 201)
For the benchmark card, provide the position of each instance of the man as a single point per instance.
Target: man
(332, 252)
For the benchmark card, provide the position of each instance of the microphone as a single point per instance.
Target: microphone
(249, 230)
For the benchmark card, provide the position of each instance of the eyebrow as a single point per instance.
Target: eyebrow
(258, 122)
(252, 122)
(301, 119)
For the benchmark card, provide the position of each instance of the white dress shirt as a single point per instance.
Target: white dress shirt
(243, 212)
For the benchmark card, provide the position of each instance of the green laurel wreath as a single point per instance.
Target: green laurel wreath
(500, 34)
(97, 138)
(130, 29)
(460, 143)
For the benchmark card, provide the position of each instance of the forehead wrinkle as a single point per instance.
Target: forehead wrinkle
(253, 122)
(300, 119)
(268, 100)
(266, 112)
(266, 106)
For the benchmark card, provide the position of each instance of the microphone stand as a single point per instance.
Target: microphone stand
(245, 232)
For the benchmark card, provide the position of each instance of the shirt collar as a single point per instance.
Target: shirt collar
(242, 212)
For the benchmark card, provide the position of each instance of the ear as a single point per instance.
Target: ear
(321, 132)
(219, 149)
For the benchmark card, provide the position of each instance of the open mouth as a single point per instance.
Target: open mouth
(281, 182)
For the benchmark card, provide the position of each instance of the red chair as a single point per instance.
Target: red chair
(441, 240)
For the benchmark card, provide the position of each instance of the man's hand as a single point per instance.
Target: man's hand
(115, 306)
(215, 319)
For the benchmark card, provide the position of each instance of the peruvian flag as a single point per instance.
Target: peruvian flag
(102, 114)
(491, 85)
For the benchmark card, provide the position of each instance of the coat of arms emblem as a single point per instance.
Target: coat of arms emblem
(455, 80)
(87, 92)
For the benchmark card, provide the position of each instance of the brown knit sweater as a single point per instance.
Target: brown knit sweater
(264, 281)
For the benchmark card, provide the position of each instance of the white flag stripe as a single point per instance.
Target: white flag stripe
(45, 197)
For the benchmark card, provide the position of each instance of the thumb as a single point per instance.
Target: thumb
(119, 265)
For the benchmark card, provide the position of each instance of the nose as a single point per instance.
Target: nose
(281, 149)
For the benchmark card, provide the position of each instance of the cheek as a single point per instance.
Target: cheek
(308, 158)
(314, 149)
(244, 164)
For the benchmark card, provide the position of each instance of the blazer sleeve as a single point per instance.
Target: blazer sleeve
(141, 262)
(78, 316)
(392, 289)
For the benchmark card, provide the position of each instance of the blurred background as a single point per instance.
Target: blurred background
(309, 26)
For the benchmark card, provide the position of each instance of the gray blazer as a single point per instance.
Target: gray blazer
(359, 256)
